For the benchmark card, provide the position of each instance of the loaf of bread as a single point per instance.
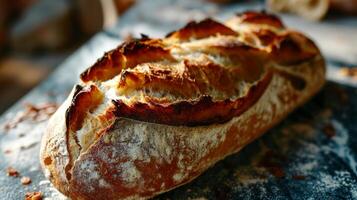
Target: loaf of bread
(153, 114)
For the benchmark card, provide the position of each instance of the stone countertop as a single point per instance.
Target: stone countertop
(310, 154)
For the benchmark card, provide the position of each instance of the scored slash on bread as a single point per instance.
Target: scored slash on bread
(167, 66)
(153, 114)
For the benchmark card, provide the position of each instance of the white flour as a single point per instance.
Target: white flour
(309, 162)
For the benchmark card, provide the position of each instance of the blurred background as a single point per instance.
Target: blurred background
(37, 35)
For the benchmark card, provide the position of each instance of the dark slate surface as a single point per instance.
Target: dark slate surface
(295, 160)
(310, 155)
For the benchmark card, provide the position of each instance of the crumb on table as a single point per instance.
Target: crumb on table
(25, 180)
(33, 196)
(12, 172)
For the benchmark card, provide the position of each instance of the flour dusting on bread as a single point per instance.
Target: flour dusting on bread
(154, 114)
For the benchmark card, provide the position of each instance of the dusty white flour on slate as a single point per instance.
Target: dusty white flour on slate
(340, 147)
(309, 159)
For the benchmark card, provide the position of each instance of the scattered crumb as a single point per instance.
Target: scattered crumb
(329, 130)
(12, 172)
(349, 72)
(25, 180)
(33, 196)
(35, 113)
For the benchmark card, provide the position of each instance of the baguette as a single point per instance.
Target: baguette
(153, 114)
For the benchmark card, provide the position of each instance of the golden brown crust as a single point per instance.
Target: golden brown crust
(127, 55)
(202, 29)
(84, 100)
(293, 48)
(264, 18)
(153, 114)
(131, 175)
(105, 68)
(163, 66)
(203, 111)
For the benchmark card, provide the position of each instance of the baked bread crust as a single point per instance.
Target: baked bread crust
(153, 114)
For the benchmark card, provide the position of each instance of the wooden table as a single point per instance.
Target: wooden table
(311, 154)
